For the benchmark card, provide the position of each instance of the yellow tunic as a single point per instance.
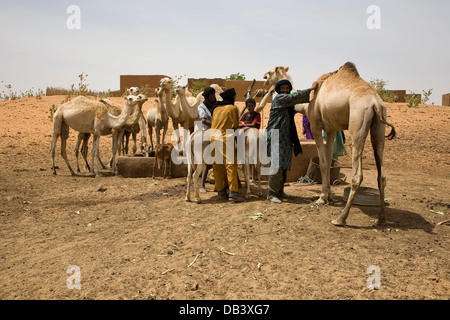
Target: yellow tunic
(225, 117)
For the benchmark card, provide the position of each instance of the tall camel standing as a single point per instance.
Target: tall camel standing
(88, 116)
(173, 107)
(157, 118)
(344, 101)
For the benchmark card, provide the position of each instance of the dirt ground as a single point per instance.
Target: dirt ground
(140, 239)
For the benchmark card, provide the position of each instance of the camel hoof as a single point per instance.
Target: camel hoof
(321, 202)
(338, 223)
(382, 223)
(187, 199)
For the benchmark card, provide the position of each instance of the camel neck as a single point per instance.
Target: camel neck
(171, 108)
(120, 121)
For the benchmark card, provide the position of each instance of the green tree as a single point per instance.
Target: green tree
(236, 76)
(380, 86)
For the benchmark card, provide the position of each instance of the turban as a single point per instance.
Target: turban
(208, 91)
(280, 83)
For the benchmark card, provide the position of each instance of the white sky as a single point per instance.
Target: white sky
(200, 38)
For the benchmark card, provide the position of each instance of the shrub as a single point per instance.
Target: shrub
(385, 95)
(236, 76)
(53, 110)
(412, 100)
(426, 95)
(198, 86)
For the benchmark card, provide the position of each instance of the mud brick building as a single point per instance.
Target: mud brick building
(446, 100)
(152, 82)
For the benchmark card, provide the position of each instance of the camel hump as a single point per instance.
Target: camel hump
(351, 68)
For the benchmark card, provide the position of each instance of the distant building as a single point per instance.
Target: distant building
(151, 82)
(446, 100)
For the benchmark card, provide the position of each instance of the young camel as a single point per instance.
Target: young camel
(163, 154)
(88, 116)
(157, 118)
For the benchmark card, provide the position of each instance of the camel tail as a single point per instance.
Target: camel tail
(380, 110)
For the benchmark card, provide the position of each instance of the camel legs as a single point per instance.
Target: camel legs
(150, 133)
(257, 167)
(64, 137)
(377, 132)
(134, 134)
(158, 134)
(324, 151)
(188, 182)
(115, 146)
(358, 135)
(196, 177)
(95, 156)
(80, 137)
(164, 134)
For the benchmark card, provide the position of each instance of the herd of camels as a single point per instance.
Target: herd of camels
(342, 101)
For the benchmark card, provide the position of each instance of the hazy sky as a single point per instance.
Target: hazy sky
(212, 39)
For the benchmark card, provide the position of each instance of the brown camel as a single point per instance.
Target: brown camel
(344, 101)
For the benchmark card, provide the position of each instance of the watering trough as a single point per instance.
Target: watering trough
(138, 166)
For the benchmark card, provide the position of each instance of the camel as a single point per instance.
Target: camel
(163, 153)
(189, 104)
(137, 123)
(114, 110)
(196, 169)
(157, 118)
(272, 77)
(173, 107)
(344, 101)
(88, 116)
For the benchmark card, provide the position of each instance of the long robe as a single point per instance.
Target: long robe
(225, 117)
(279, 119)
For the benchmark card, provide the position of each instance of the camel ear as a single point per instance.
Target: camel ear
(286, 69)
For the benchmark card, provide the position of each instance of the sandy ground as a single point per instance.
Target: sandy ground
(139, 239)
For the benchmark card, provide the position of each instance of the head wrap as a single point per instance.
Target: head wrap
(280, 83)
(208, 91)
(228, 97)
(250, 100)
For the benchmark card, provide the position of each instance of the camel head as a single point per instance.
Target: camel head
(133, 91)
(133, 100)
(181, 89)
(143, 97)
(166, 83)
(159, 92)
(276, 74)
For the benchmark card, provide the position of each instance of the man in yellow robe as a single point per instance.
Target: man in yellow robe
(226, 116)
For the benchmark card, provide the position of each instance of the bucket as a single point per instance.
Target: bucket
(364, 196)
(314, 170)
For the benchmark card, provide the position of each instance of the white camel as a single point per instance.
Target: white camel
(83, 138)
(196, 165)
(157, 118)
(88, 116)
(136, 124)
(173, 107)
(189, 104)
